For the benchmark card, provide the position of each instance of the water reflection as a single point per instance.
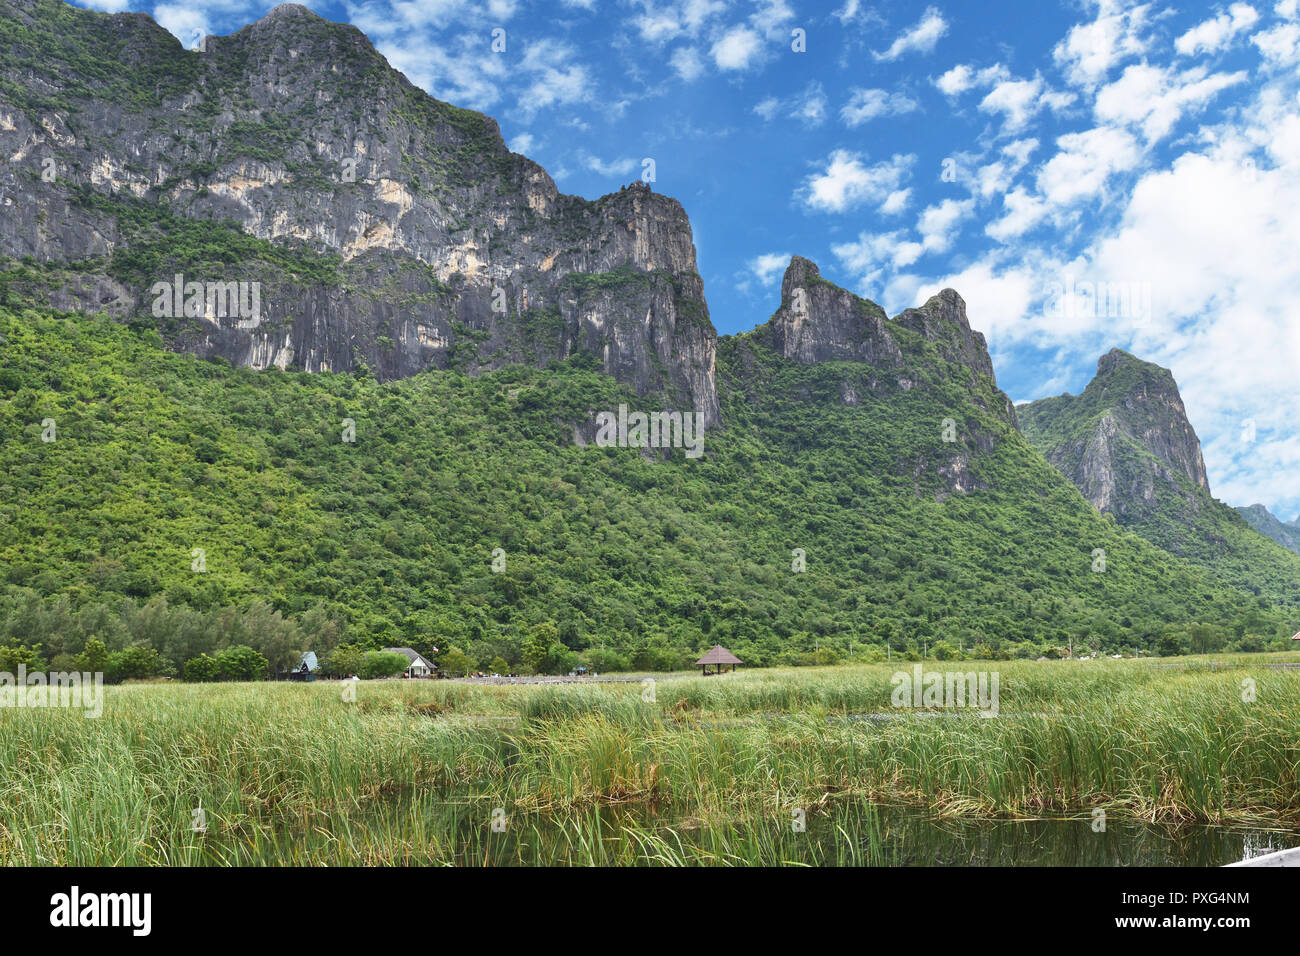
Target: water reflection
(916, 838)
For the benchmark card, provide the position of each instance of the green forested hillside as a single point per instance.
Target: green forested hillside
(309, 540)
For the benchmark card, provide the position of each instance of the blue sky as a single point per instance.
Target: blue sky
(1087, 174)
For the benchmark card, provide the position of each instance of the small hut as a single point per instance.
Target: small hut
(1296, 637)
(719, 657)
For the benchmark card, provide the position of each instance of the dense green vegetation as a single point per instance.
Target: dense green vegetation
(85, 59)
(709, 771)
(610, 557)
(157, 242)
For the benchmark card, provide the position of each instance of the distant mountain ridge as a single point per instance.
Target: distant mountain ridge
(1285, 533)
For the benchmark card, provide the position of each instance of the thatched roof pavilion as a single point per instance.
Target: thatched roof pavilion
(719, 657)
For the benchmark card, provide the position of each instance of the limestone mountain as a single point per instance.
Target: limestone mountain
(1285, 533)
(869, 485)
(387, 229)
(1124, 440)
(1127, 445)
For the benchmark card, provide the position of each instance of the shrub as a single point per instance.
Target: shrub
(559, 660)
(241, 662)
(93, 658)
(456, 662)
(346, 659)
(604, 660)
(15, 654)
(382, 664)
(133, 663)
(202, 669)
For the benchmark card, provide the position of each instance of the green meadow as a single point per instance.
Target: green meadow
(682, 771)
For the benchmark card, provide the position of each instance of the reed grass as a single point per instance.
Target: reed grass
(708, 772)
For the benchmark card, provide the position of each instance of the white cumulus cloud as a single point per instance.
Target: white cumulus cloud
(1216, 34)
(920, 38)
(866, 105)
(736, 49)
(847, 181)
(768, 266)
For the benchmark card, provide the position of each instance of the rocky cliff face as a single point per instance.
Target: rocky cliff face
(386, 229)
(1125, 442)
(820, 322)
(1146, 397)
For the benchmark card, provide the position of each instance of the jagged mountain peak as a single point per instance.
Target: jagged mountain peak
(942, 320)
(799, 270)
(288, 12)
(1131, 410)
(1127, 445)
(292, 43)
(1118, 369)
(300, 26)
(818, 321)
(297, 22)
(822, 321)
(1115, 358)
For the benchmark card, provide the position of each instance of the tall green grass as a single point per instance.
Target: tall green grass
(709, 771)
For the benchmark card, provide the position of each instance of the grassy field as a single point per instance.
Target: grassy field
(709, 771)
